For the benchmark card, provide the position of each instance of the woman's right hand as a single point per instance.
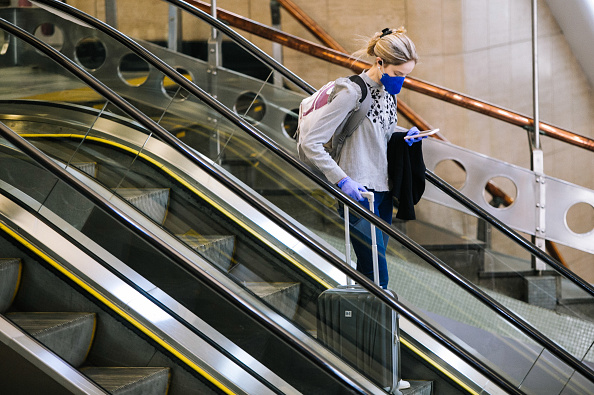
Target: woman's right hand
(352, 188)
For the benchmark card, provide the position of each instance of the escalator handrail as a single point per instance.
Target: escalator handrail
(285, 39)
(315, 357)
(139, 230)
(495, 306)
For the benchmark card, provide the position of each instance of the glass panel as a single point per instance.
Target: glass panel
(549, 375)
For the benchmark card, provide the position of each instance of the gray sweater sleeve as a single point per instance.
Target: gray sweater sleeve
(343, 99)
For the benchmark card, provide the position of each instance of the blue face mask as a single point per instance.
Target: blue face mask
(392, 84)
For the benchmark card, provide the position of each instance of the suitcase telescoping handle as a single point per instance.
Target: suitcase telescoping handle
(347, 239)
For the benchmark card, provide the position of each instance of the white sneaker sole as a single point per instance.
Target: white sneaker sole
(402, 385)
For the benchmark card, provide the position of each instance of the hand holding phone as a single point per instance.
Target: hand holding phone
(425, 133)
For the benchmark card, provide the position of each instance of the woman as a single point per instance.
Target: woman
(362, 162)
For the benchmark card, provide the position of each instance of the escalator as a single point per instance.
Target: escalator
(145, 314)
(314, 211)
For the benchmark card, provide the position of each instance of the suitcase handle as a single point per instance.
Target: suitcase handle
(347, 239)
(369, 196)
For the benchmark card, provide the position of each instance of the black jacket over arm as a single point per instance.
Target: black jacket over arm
(406, 170)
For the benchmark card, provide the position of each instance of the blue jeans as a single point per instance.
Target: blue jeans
(361, 237)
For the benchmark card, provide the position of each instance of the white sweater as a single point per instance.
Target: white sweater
(364, 154)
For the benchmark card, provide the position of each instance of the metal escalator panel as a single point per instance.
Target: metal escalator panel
(77, 321)
(201, 216)
(492, 339)
(183, 201)
(416, 283)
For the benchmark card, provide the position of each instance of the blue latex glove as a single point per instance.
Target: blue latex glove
(411, 132)
(352, 188)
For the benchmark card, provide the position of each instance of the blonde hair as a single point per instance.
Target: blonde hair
(393, 46)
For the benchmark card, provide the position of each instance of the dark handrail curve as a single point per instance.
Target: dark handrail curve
(247, 45)
(267, 142)
(215, 285)
(403, 108)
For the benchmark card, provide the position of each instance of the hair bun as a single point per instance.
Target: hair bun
(400, 30)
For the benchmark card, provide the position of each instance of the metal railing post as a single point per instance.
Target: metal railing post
(537, 162)
(111, 13)
(214, 62)
(174, 29)
(277, 49)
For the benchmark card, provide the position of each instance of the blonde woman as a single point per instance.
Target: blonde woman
(362, 163)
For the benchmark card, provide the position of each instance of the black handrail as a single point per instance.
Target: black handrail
(267, 142)
(289, 75)
(137, 228)
(229, 183)
(42, 159)
(459, 197)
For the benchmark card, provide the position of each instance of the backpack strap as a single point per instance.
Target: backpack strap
(359, 81)
(354, 119)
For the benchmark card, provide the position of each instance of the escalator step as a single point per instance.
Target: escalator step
(283, 296)
(419, 388)
(69, 335)
(10, 273)
(218, 248)
(89, 168)
(130, 381)
(153, 202)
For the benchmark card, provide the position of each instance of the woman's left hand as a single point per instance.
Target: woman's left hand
(413, 132)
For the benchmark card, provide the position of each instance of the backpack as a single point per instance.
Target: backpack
(308, 116)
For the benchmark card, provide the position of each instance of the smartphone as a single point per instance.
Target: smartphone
(422, 134)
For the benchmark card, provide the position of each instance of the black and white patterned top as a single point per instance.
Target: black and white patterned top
(364, 154)
(383, 108)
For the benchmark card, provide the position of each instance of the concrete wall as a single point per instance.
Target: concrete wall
(481, 48)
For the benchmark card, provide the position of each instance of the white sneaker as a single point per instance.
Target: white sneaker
(402, 385)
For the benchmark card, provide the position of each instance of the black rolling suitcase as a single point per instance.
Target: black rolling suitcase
(359, 327)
